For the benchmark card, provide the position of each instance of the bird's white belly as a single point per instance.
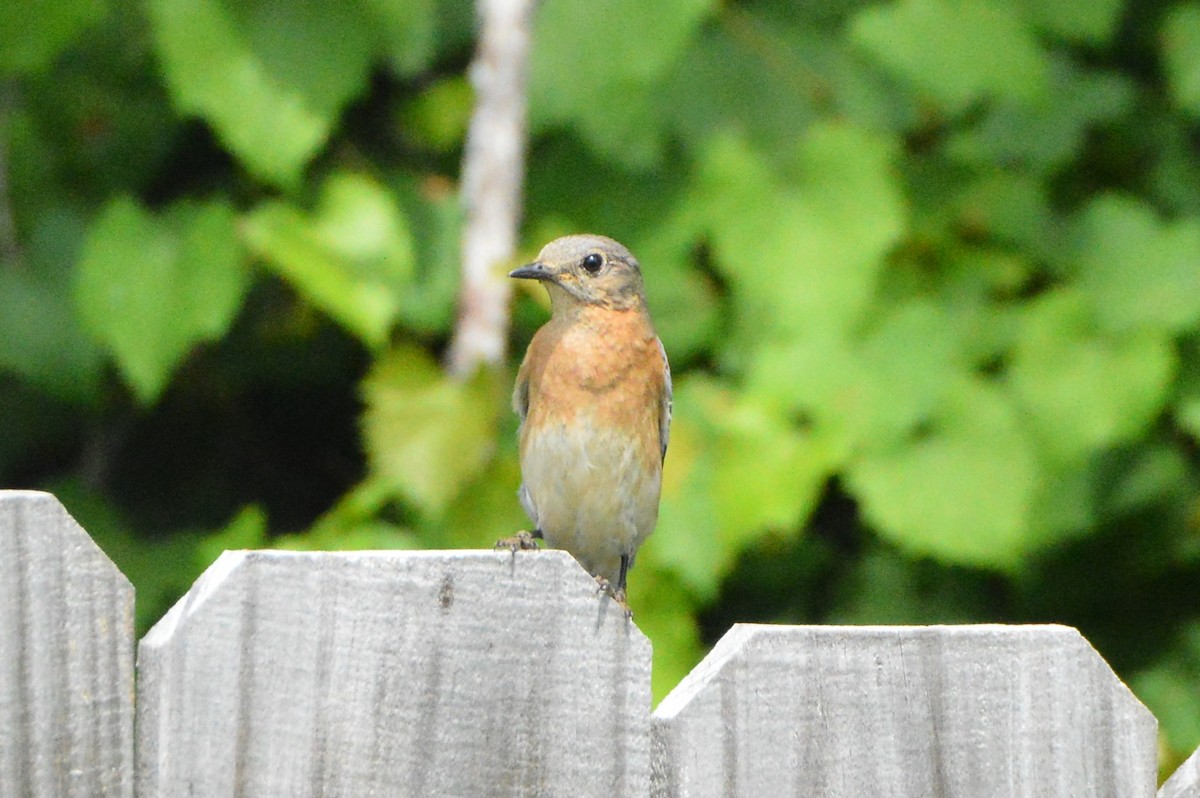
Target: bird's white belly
(590, 493)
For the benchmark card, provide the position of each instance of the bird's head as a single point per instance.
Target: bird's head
(586, 270)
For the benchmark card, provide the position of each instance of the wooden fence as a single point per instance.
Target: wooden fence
(492, 674)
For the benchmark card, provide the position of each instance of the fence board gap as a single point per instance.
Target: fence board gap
(1185, 781)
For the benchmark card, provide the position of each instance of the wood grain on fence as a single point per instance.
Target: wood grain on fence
(493, 674)
(394, 673)
(66, 657)
(904, 711)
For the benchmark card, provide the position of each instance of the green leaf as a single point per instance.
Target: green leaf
(768, 76)
(406, 31)
(270, 78)
(1181, 55)
(1168, 688)
(246, 530)
(1050, 130)
(640, 40)
(41, 337)
(1085, 390)
(725, 80)
(883, 586)
(683, 301)
(149, 288)
(1139, 271)
(427, 435)
(352, 259)
(687, 538)
(1155, 474)
(666, 613)
(766, 474)
(95, 124)
(1064, 503)
(438, 117)
(1014, 209)
(868, 391)
(803, 246)
(41, 340)
(962, 493)
(1092, 22)
(818, 378)
(907, 361)
(353, 523)
(35, 32)
(370, 534)
(1174, 177)
(493, 513)
(435, 218)
(358, 221)
(608, 98)
(1188, 415)
(1187, 400)
(973, 287)
(735, 470)
(955, 51)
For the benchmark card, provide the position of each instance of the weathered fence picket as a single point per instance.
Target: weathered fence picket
(66, 657)
(394, 673)
(904, 711)
(493, 674)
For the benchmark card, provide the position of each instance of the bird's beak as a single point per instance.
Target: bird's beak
(533, 271)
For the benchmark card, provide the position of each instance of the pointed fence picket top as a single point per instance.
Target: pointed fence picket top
(66, 657)
(394, 673)
(841, 712)
(1184, 782)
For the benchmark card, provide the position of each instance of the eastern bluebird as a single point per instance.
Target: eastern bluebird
(594, 398)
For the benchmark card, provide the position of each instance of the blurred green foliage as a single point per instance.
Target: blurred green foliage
(928, 272)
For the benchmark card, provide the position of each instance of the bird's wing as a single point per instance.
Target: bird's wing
(664, 411)
(520, 399)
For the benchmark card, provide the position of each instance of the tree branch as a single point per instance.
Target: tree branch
(493, 172)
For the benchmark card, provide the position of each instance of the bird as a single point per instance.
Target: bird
(594, 399)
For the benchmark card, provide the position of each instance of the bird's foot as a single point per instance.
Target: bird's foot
(617, 595)
(522, 541)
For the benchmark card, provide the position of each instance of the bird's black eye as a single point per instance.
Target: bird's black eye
(593, 262)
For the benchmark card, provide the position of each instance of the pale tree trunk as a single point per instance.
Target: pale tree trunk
(493, 171)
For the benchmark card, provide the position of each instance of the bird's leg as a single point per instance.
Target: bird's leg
(618, 594)
(522, 541)
(622, 575)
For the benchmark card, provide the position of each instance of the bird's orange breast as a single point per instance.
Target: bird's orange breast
(605, 367)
